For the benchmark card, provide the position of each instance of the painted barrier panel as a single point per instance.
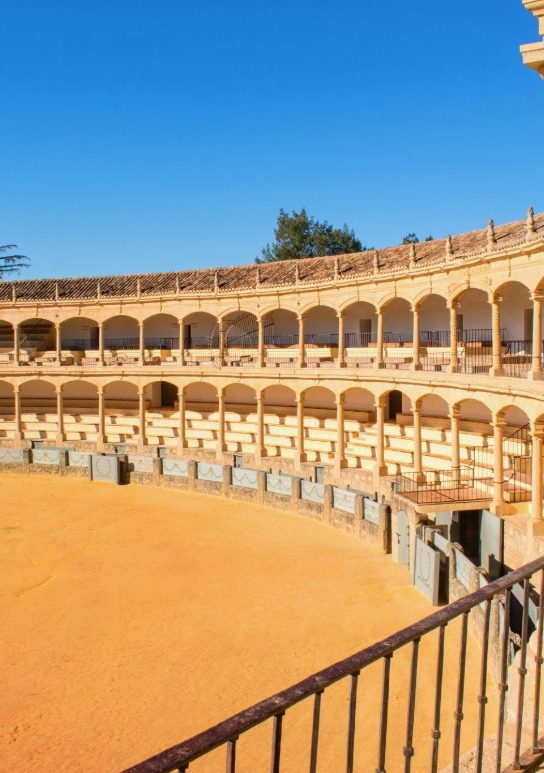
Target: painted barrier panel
(244, 478)
(106, 468)
(343, 499)
(462, 568)
(79, 459)
(213, 472)
(440, 542)
(312, 492)
(45, 456)
(178, 467)
(279, 484)
(426, 572)
(11, 456)
(140, 463)
(371, 511)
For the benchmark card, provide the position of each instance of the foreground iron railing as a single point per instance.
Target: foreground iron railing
(228, 732)
(459, 484)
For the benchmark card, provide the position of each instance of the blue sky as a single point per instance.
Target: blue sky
(146, 135)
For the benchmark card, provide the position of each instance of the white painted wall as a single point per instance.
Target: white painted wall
(121, 327)
(515, 300)
(397, 317)
(161, 326)
(434, 314)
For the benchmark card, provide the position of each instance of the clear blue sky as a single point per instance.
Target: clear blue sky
(146, 135)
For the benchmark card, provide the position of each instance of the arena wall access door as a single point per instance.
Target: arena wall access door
(403, 539)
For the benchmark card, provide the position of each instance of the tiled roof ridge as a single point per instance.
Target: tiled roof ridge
(384, 260)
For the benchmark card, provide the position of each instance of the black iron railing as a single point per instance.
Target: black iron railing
(459, 484)
(516, 448)
(516, 358)
(274, 709)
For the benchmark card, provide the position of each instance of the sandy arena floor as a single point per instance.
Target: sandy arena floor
(133, 617)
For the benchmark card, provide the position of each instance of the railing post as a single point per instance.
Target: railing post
(418, 456)
(381, 468)
(141, 341)
(60, 415)
(341, 340)
(261, 349)
(455, 413)
(58, 344)
(300, 457)
(100, 439)
(496, 335)
(16, 345)
(17, 408)
(181, 418)
(536, 364)
(259, 438)
(141, 417)
(221, 341)
(221, 425)
(498, 464)
(181, 348)
(340, 455)
(453, 367)
(101, 343)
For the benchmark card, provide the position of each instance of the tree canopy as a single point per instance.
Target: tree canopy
(12, 263)
(297, 235)
(413, 239)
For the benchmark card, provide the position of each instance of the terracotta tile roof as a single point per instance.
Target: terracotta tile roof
(280, 273)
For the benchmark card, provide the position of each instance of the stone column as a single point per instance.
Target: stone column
(17, 410)
(16, 351)
(341, 340)
(60, 415)
(181, 419)
(537, 433)
(455, 413)
(498, 464)
(340, 455)
(181, 342)
(101, 437)
(301, 457)
(536, 367)
(259, 438)
(496, 335)
(221, 343)
(101, 343)
(221, 425)
(58, 343)
(141, 343)
(381, 468)
(301, 344)
(379, 340)
(415, 335)
(261, 355)
(141, 417)
(454, 307)
(418, 456)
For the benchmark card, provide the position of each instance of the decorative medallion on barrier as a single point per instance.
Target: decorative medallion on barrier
(244, 478)
(213, 472)
(279, 484)
(312, 492)
(462, 568)
(11, 456)
(140, 462)
(79, 459)
(45, 456)
(343, 499)
(106, 468)
(177, 467)
(371, 511)
(426, 570)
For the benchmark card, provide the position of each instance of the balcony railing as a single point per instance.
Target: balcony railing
(492, 604)
(460, 484)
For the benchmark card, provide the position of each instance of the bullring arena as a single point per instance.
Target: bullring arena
(335, 460)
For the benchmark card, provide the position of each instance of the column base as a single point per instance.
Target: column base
(420, 477)
(341, 365)
(501, 508)
(18, 437)
(416, 366)
(59, 438)
(380, 365)
(100, 443)
(141, 446)
(180, 446)
(495, 371)
(381, 471)
(535, 375)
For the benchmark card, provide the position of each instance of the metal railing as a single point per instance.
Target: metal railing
(226, 734)
(516, 358)
(459, 484)
(516, 447)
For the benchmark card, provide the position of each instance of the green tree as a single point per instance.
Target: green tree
(300, 236)
(413, 239)
(11, 264)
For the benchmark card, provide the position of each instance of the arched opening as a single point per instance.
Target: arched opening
(201, 416)
(79, 339)
(241, 338)
(121, 412)
(516, 313)
(320, 336)
(398, 450)
(161, 338)
(7, 411)
(280, 421)
(39, 419)
(121, 333)
(474, 332)
(37, 341)
(360, 330)
(320, 427)
(161, 413)
(7, 342)
(398, 334)
(80, 409)
(240, 418)
(434, 333)
(359, 415)
(281, 338)
(200, 338)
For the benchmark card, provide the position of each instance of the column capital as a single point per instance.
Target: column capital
(58, 388)
(499, 420)
(537, 428)
(381, 402)
(416, 307)
(455, 412)
(454, 305)
(496, 298)
(340, 313)
(340, 399)
(537, 296)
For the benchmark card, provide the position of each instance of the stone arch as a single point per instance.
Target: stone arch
(320, 326)
(161, 331)
(240, 330)
(200, 330)
(79, 334)
(473, 316)
(396, 403)
(280, 328)
(433, 406)
(516, 310)
(360, 324)
(397, 328)
(434, 320)
(37, 334)
(38, 395)
(7, 340)
(7, 408)
(78, 394)
(121, 332)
